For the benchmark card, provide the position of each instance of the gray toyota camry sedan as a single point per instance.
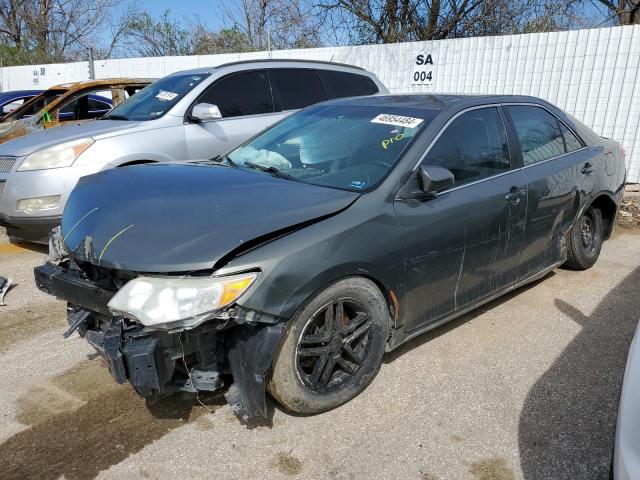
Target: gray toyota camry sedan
(293, 263)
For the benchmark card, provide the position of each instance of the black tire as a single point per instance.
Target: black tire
(316, 367)
(585, 240)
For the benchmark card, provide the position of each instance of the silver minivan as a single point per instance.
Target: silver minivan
(186, 116)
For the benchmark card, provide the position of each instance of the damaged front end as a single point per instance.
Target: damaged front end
(157, 359)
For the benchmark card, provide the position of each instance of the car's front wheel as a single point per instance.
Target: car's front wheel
(332, 348)
(585, 240)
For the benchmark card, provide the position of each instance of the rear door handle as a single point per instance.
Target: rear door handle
(515, 194)
(587, 168)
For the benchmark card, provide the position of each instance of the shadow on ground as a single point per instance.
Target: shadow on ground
(568, 419)
(34, 247)
(82, 422)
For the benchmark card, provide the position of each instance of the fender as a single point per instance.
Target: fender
(331, 277)
(614, 197)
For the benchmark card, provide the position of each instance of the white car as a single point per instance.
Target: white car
(186, 116)
(626, 455)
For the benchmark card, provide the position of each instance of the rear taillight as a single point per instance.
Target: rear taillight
(623, 152)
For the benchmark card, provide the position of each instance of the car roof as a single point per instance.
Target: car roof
(19, 93)
(264, 63)
(102, 82)
(432, 101)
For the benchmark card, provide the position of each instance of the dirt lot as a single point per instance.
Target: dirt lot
(526, 387)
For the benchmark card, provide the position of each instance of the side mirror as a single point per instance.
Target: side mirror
(434, 179)
(204, 112)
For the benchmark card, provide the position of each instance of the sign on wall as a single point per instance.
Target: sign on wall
(422, 69)
(37, 74)
(482, 65)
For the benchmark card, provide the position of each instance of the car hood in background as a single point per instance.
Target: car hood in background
(34, 138)
(180, 218)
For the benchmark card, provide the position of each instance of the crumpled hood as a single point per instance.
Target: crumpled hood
(179, 218)
(34, 138)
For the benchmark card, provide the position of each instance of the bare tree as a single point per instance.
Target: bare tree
(387, 21)
(499, 17)
(626, 12)
(280, 23)
(54, 30)
(12, 23)
(143, 36)
(38, 31)
(139, 34)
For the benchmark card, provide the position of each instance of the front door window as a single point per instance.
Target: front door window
(473, 147)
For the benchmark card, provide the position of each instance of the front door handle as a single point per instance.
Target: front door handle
(587, 168)
(515, 194)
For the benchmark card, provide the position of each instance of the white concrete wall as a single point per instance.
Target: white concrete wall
(593, 74)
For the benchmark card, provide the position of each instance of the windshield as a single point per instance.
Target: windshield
(156, 99)
(33, 106)
(340, 146)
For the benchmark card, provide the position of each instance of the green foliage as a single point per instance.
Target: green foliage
(227, 40)
(157, 38)
(12, 56)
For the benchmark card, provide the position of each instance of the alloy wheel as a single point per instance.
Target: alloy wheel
(334, 344)
(588, 233)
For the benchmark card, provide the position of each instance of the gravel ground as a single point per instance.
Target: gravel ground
(524, 388)
(629, 216)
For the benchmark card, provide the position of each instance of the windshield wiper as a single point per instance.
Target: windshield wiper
(272, 170)
(218, 160)
(225, 158)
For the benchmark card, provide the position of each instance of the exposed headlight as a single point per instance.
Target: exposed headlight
(166, 302)
(58, 156)
(35, 205)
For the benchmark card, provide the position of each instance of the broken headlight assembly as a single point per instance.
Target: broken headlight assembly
(178, 302)
(58, 156)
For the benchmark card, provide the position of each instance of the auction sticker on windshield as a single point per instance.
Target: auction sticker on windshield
(397, 120)
(166, 96)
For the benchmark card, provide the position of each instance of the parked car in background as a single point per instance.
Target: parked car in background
(76, 102)
(626, 453)
(10, 101)
(190, 115)
(97, 104)
(296, 260)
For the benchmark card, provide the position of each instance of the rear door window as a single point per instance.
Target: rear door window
(571, 141)
(95, 104)
(474, 146)
(345, 84)
(86, 105)
(246, 93)
(66, 112)
(296, 88)
(538, 131)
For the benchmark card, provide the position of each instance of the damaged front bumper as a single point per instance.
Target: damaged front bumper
(157, 363)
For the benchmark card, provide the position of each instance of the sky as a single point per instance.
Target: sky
(208, 10)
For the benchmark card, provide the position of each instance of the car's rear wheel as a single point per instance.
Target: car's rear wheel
(332, 348)
(585, 240)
